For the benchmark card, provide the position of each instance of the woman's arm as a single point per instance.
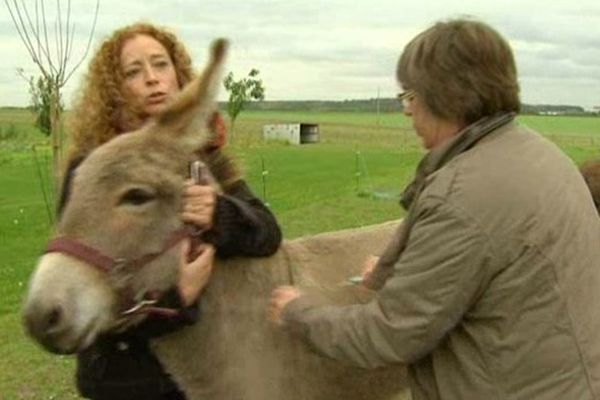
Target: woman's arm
(243, 225)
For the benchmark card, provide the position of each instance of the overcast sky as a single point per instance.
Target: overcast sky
(340, 49)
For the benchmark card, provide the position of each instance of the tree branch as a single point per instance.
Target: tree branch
(88, 45)
(50, 64)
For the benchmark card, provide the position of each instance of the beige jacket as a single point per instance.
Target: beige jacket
(497, 293)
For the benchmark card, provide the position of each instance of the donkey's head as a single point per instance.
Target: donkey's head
(118, 238)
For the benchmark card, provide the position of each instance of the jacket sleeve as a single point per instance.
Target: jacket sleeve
(446, 266)
(243, 225)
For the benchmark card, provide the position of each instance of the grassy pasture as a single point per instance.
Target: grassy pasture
(311, 189)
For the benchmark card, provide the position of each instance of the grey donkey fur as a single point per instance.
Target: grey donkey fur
(243, 356)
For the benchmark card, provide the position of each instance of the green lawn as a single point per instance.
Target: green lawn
(351, 178)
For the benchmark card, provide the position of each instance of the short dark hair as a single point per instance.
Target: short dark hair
(463, 69)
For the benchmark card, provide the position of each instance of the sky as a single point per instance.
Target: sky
(334, 49)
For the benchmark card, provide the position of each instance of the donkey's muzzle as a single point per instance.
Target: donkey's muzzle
(47, 324)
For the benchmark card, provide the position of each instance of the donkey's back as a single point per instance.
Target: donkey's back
(235, 353)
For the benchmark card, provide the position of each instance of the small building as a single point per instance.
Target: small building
(297, 133)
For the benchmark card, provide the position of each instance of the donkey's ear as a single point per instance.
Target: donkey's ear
(187, 117)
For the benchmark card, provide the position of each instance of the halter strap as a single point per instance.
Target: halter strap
(95, 258)
(90, 255)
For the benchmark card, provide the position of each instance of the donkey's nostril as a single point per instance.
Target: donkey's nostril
(48, 324)
(54, 317)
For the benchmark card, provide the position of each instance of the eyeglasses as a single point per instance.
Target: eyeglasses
(406, 96)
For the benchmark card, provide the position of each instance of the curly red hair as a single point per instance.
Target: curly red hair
(100, 111)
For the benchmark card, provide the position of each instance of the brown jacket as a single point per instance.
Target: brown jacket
(496, 294)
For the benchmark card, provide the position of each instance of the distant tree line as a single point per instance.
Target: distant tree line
(367, 105)
(387, 105)
(551, 109)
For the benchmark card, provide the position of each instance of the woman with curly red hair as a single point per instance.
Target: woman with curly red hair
(130, 80)
(103, 109)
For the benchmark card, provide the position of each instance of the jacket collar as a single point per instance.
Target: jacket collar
(441, 155)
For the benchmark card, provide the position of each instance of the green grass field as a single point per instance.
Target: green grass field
(351, 178)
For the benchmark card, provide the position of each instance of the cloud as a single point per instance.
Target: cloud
(336, 49)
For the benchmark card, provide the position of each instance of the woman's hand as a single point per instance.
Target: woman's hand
(195, 268)
(280, 298)
(367, 271)
(199, 204)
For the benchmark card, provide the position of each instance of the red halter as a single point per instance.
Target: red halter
(94, 257)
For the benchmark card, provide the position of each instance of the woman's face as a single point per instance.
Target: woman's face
(432, 130)
(149, 74)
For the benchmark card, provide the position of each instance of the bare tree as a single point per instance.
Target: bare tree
(50, 45)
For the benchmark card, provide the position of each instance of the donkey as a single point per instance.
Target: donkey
(122, 218)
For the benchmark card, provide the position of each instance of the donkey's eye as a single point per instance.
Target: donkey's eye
(136, 197)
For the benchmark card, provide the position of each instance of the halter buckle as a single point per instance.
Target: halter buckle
(119, 264)
(139, 306)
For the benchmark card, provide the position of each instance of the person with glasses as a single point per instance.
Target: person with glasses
(406, 97)
(491, 287)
